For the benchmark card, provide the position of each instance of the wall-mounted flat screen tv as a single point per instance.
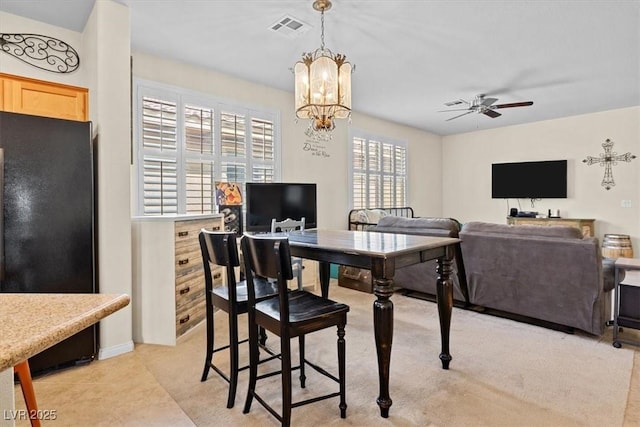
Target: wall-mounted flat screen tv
(279, 200)
(531, 180)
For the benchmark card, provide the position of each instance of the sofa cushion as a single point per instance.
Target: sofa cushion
(524, 230)
(432, 226)
(367, 216)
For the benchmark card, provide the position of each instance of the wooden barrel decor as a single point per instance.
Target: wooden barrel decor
(617, 246)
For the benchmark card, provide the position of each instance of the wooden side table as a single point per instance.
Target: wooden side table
(626, 308)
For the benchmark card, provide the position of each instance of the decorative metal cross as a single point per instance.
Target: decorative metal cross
(608, 159)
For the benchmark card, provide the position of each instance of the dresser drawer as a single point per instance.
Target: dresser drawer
(190, 287)
(188, 258)
(187, 231)
(189, 316)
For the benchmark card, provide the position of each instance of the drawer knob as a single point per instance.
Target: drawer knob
(185, 319)
(183, 261)
(183, 233)
(217, 275)
(185, 290)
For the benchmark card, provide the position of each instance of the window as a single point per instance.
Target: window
(186, 142)
(378, 172)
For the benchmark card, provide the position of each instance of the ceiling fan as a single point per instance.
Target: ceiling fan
(482, 105)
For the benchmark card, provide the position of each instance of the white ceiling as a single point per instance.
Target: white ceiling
(569, 57)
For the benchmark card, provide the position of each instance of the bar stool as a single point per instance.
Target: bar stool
(291, 314)
(220, 248)
(24, 376)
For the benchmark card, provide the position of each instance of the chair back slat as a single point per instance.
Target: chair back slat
(287, 225)
(220, 248)
(269, 258)
(265, 262)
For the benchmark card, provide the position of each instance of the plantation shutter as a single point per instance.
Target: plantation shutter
(199, 166)
(359, 182)
(234, 147)
(374, 190)
(199, 188)
(388, 176)
(378, 173)
(159, 130)
(262, 150)
(400, 162)
(186, 143)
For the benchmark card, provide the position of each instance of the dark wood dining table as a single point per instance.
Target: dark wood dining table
(382, 253)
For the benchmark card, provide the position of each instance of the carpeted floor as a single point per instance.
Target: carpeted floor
(503, 373)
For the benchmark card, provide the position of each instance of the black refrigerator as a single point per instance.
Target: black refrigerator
(47, 221)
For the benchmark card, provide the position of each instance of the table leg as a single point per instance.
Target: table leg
(324, 268)
(444, 290)
(383, 330)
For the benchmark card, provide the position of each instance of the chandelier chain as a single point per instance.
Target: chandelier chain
(322, 29)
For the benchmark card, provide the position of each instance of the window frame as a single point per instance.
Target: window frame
(369, 136)
(184, 97)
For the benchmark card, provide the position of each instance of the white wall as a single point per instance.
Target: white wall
(107, 43)
(298, 165)
(467, 160)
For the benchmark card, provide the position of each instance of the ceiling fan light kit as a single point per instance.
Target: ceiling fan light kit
(323, 83)
(482, 105)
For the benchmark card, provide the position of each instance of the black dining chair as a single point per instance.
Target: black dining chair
(291, 314)
(221, 248)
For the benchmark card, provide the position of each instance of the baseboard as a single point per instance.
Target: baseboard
(116, 350)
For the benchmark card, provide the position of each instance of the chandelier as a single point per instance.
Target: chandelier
(323, 83)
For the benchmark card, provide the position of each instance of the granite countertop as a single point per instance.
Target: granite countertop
(31, 323)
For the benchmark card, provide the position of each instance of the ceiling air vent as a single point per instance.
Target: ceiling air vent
(290, 27)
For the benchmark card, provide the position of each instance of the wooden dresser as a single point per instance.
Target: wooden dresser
(168, 295)
(587, 226)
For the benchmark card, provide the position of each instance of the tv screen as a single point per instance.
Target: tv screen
(531, 180)
(279, 200)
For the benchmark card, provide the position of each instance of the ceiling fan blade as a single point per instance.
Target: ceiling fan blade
(460, 115)
(514, 104)
(454, 109)
(491, 113)
(488, 101)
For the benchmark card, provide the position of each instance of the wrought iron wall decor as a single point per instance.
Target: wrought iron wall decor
(44, 52)
(608, 159)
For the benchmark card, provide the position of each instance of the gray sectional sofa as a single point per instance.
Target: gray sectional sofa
(547, 274)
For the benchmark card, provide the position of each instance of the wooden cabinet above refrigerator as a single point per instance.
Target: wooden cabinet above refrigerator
(41, 98)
